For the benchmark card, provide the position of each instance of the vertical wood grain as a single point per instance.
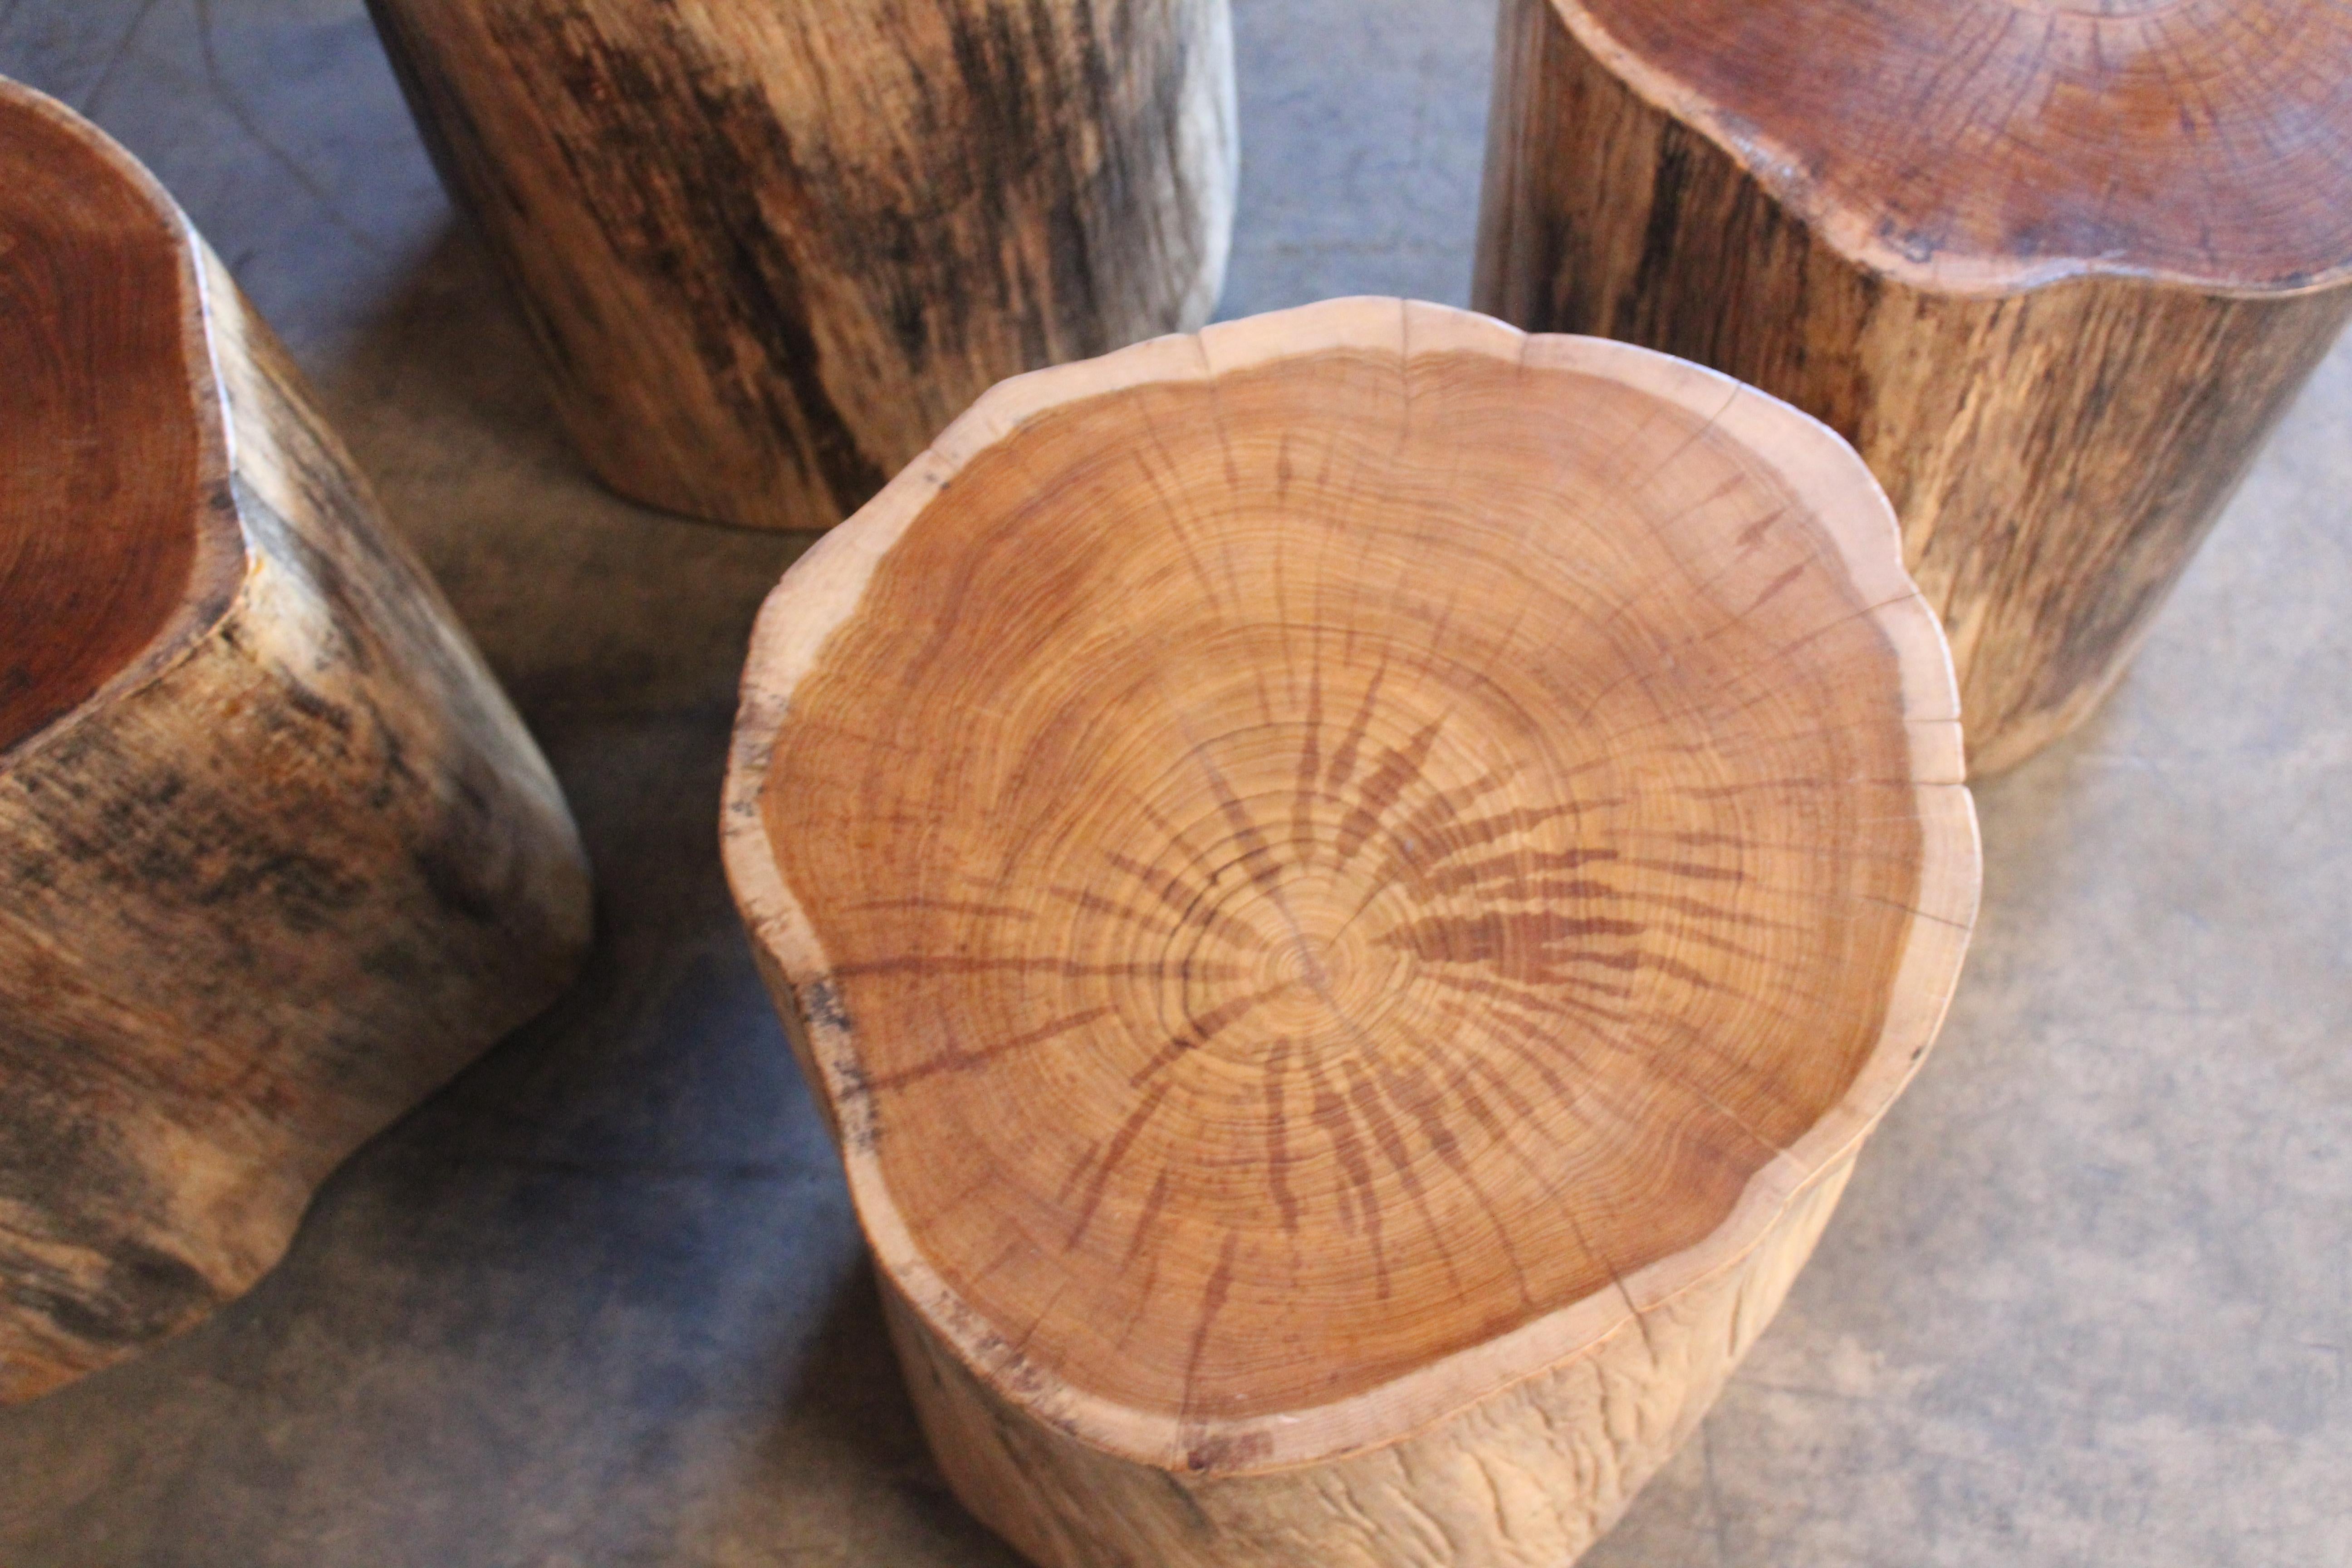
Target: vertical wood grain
(769, 251)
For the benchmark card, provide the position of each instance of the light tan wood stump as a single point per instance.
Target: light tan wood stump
(276, 857)
(2055, 267)
(1352, 885)
(770, 249)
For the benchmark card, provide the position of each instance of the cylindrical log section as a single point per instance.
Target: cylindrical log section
(278, 856)
(2054, 269)
(1351, 885)
(770, 250)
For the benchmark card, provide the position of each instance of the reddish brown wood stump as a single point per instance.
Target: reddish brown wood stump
(2055, 267)
(278, 858)
(771, 250)
(1351, 886)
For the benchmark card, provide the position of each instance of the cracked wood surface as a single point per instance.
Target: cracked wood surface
(2056, 269)
(279, 857)
(769, 251)
(1351, 886)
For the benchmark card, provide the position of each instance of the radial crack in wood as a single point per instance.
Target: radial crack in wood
(278, 856)
(2055, 267)
(1351, 885)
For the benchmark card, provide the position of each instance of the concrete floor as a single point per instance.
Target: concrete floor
(602, 1302)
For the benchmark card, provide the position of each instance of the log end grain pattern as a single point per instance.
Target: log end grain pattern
(1342, 880)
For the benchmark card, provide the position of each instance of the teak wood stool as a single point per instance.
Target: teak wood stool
(1351, 886)
(276, 857)
(769, 250)
(2055, 267)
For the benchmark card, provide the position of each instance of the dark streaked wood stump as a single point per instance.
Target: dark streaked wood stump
(2055, 267)
(771, 250)
(1352, 885)
(277, 856)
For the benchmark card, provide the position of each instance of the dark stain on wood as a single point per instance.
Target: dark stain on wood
(768, 259)
(265, 892)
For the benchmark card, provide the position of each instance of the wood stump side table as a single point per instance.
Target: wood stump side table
(1351, 886)
(769, 250)
(2055, 267)
(277, 856)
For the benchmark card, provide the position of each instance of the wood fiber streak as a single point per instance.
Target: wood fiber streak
(291, 864)
(769, 251)
(2059, 378)
(1351, 886)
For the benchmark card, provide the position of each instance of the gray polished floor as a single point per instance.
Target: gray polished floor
(601, 1302)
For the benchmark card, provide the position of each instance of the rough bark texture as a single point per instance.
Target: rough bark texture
(1351, 886)
(770, 250)
(2057, 428)
(282, 867)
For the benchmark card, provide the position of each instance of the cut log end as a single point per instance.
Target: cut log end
(1990, 145)
(1322, 866)
(98, 421)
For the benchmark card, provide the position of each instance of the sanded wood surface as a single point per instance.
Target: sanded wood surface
(1351, 885)
(770, 250)
(278, 856)
(2054, 270)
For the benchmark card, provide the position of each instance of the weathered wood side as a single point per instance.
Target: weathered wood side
(2055, 454)
(1528, 1479)
(261, 902)
(770, 251)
